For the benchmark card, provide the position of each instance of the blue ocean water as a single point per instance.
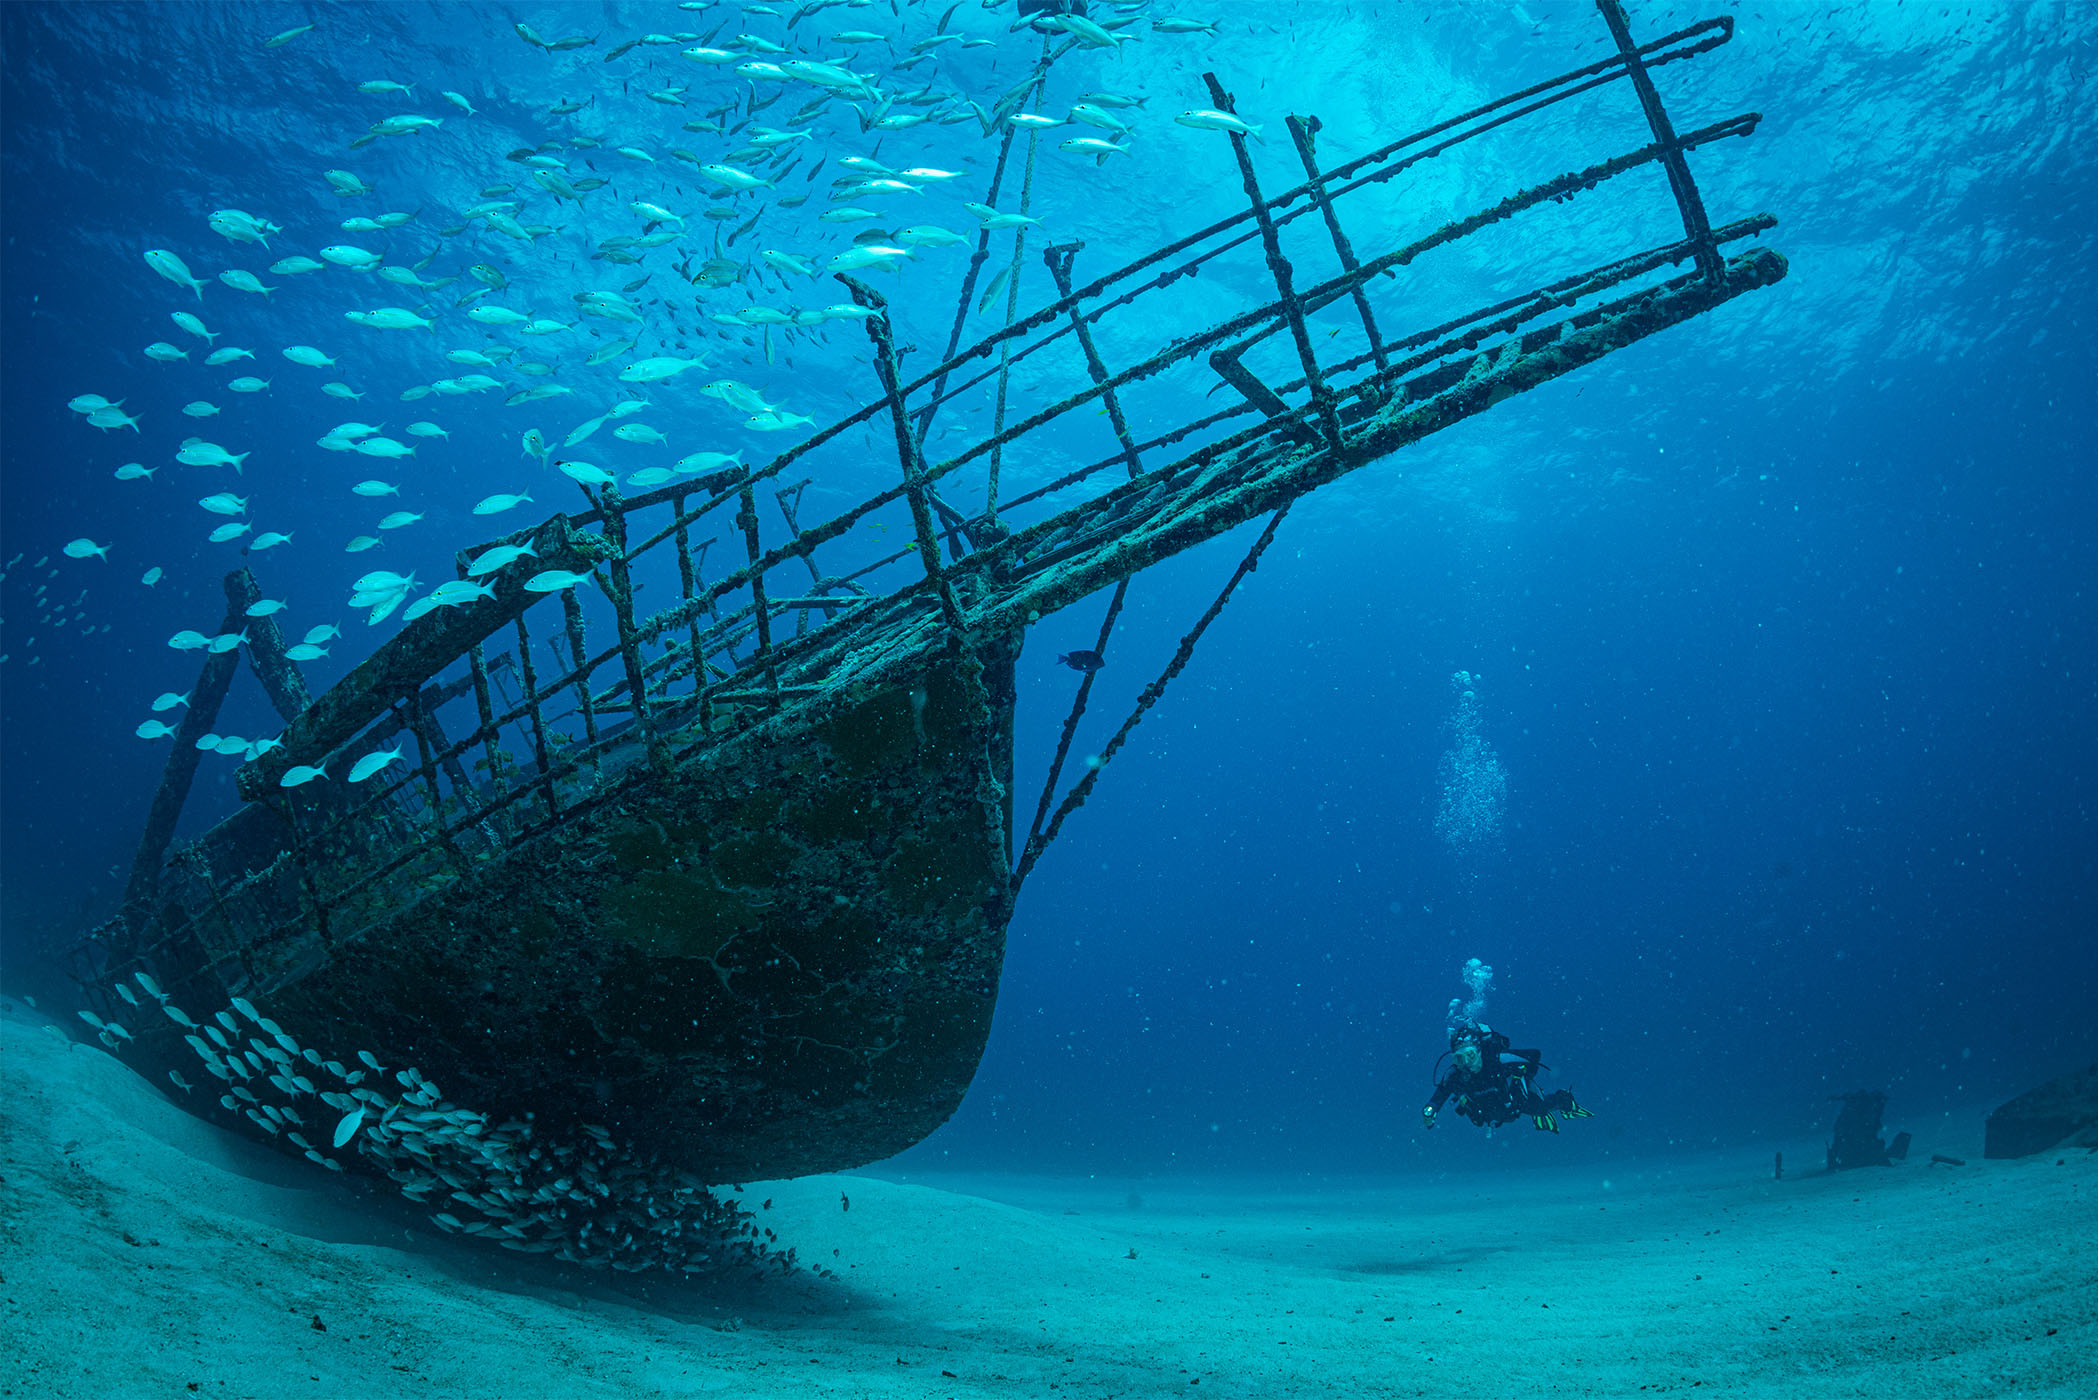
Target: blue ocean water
(1779, 625)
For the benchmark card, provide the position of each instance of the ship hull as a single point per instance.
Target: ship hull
(778, 958)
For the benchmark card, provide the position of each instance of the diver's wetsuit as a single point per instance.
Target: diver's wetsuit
(1501, 1091)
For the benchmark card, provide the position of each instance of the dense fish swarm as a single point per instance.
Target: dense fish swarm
(583, 1199)
(585, 271)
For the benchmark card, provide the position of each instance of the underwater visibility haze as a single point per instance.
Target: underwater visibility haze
(1706, 706)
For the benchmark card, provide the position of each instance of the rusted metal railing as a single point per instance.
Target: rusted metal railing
(632, 695)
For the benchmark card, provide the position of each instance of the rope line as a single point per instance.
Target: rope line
(1012, 309)
(1063, 744)
(1083, 788)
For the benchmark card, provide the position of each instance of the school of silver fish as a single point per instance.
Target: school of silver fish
(710, 233)
(583, 1198)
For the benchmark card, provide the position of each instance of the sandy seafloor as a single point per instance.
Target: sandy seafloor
(147, 1253)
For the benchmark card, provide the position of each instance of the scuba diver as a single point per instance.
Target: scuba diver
(1490, 1083)
(1037, 12)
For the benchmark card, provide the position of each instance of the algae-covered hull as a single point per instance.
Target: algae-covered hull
(780, 958)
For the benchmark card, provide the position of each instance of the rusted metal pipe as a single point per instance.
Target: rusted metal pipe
(1302, 132)
(1692, 205)
(914, 480)
(214, 679)
(1059, 256)
(1285, 281)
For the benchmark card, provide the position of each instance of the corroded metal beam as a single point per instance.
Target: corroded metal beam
(1692, 205)
(202, 713)
(280, 677)
(908, 456)
(1059, 256)
(1304, 132)
(1279, 268)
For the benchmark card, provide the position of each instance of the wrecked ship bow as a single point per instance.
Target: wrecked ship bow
(719, 892)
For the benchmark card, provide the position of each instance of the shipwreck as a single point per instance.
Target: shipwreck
(715, 858)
